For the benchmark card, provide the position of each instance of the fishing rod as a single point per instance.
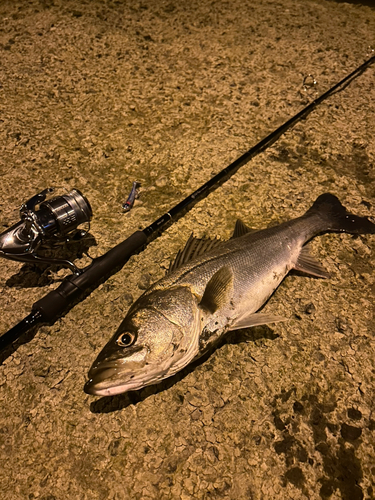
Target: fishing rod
(76, 286)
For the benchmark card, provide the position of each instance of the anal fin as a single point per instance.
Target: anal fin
(306, 263)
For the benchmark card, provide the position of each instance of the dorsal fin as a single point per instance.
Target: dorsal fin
(240, 229)
(194, 248)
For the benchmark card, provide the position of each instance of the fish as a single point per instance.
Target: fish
(213, 287)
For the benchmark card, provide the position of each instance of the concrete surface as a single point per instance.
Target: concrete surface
(94, 95)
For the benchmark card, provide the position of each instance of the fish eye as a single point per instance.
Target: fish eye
(125, 339)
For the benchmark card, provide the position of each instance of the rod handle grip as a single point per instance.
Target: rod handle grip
(52, 305)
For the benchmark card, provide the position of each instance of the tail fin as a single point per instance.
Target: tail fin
(337, 218)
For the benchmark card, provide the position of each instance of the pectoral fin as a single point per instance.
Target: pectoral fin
(256, 319)
(218, 290)
(308, 264)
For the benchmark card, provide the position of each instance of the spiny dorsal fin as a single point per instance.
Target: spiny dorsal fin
(218, 290)
(194, 248)
(308, 264)
(240, 229)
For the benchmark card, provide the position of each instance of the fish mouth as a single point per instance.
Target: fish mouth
(111, 380)
(107, 383)
(116, 376)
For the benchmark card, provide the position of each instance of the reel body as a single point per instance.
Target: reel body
(56, 220)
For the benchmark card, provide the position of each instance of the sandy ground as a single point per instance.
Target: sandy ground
(94, 95)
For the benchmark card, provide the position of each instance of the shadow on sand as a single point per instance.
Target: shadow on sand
(108, 404)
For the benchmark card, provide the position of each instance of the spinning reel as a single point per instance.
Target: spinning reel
(56, 221)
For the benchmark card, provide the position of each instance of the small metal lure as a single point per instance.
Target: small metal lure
(132, 197)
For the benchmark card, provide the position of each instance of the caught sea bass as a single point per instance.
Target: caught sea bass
(211, 288)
